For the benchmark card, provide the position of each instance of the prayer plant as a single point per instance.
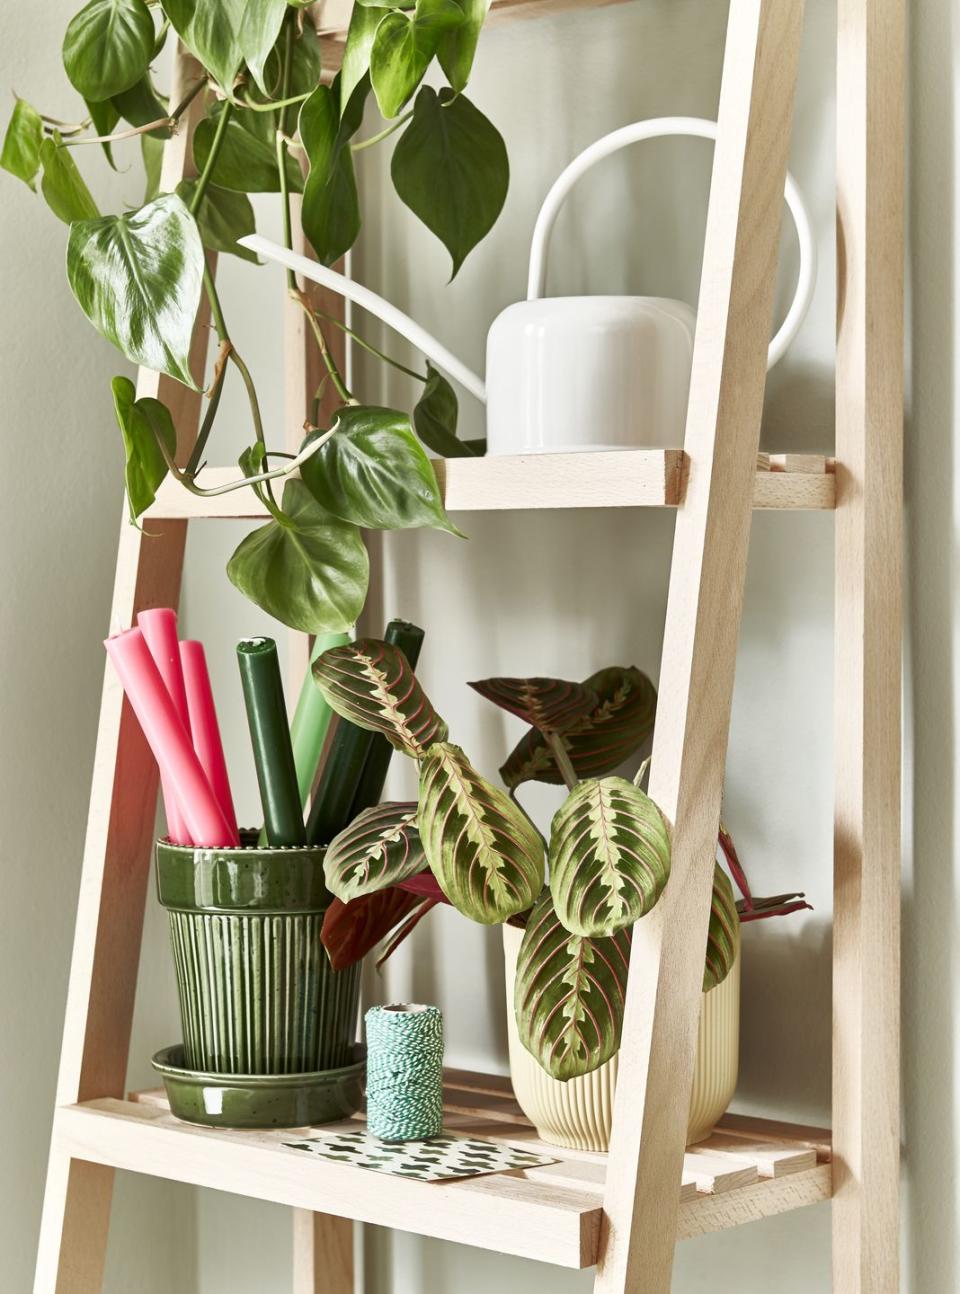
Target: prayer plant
(468, 843)
(269, 124)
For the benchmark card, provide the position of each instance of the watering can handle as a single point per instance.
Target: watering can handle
(654, 129)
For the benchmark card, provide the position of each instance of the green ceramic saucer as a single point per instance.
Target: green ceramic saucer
(260, 1100)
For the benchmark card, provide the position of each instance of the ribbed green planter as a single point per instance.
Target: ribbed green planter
(257, 993)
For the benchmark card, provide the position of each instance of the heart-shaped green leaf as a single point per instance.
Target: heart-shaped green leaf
(140, 422)
(549, 704)
(62, 184)
(351, 930)
(364, 21)
(21, 143)
(105, 116)
(435, 418)
(211, 29)
(305, 63)
(137, 278)
(247, 162)
(310, 570)
(373, 472)
(609, 857)
(222, 218)
(330, 214)
(258, 32)
(569, 994)
(451, 169)
(380, 847)
(723, 936)
(457, 47)
(485, 852)
(141, 105)
(108, 47)
(598, 742)
(372, 684)
(403, 46)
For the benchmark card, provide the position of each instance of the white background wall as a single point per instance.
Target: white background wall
(538, 593)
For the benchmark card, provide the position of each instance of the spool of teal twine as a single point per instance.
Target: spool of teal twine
(404, 1072)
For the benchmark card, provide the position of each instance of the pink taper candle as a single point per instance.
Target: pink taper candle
(168, 739)
(204, 726)
(159, 629)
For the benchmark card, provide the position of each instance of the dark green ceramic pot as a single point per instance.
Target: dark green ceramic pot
(257, 992)
(258, 1100)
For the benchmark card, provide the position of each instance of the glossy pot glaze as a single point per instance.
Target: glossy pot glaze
(258, 1100)
(257, 992)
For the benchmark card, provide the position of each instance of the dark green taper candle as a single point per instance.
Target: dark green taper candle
(270, 736)
(356, 759)
(409, 638)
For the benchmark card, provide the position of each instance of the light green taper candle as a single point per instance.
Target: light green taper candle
(312, 719)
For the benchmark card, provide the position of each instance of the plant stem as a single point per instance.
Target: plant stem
(369, 346)
(382, 134)
(328, 359)
(162, 123)
(559, 751)
(188, 98)
(273, 105)
(205, 175)
(216, 390)
(186, 479)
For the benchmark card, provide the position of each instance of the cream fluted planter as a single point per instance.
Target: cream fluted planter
(578, 1114)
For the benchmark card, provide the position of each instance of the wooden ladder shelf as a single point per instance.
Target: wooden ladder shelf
(625, 1211)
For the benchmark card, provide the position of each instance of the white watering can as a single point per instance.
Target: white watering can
(578, 373)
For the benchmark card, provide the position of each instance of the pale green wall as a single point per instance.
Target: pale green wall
(536, 594)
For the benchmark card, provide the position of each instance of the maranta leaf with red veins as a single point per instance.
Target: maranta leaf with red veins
(569, 994)
(723, 935)
(549, 704)
(372, 684)
(484, 851)
(380, 847)
(609, 856)
(597, 742)
(351, 930)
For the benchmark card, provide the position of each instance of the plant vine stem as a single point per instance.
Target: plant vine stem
(205, 175)
(186, 478)
(369, 346)
(162, 123)
(381, 134)
(567, 771)
(328, 359)
(273, 105)
(200, 444)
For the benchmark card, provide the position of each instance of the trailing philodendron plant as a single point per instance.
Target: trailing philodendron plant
(467, 843)
(269, 124)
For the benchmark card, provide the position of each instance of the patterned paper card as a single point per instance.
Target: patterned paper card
(438, 1159)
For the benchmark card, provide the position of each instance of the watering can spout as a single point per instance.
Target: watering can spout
(368, 300)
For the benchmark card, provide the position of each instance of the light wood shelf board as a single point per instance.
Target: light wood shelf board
(625, 478)
(758, 1170)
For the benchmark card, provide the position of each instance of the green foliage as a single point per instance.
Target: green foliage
(108, 47)
(484, 851)
(569, 994)
(137, 279)
(262, 121)
(306, 568)
(331, 204)
(379, 848)
(609, 857)
(723, 936)
(372, 684)
(403, 47)
(222, 219)
(62, 184)
(373, 472)
(21, 143)
(450, 168)
(435, 418)
(141, 422)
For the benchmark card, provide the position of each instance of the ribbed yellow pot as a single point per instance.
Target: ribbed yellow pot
(578, 1114)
